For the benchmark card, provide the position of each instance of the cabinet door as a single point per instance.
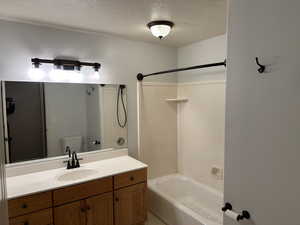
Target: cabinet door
(130, 205)
(100, 210)
(70, 214)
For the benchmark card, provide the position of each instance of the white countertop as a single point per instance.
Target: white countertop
(31, 183)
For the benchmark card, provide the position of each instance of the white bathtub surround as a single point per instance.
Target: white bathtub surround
(185, 136)
(199, 105)
(201, 121)
(158, 128)
(201, 125)
(31, 183)
(192, 144)
(179, 200)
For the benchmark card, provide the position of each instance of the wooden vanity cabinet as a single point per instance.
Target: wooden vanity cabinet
(28, 204)
(130, 178)
(118, 200)
(100, 210)
(35, 209)
(43, 217)
(82, 191)
(69, 214)
(97, 210)
(130, 205)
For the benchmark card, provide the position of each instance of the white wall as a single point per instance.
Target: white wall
(208, 51)
(201, 120)
(262, 111)
(66, 115)
(121, 59)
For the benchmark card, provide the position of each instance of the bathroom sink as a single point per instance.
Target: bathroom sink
(76, 174)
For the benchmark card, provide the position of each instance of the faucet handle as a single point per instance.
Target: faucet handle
(77, 165)
(77, 161)
(69, 166)
(73, 162)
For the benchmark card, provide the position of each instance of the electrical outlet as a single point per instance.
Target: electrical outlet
(217, 172)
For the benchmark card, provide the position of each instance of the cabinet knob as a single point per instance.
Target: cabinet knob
(88, 207)
(117, 199)
(82, 209)
(132, 178)
(26, 223)
(24, 206)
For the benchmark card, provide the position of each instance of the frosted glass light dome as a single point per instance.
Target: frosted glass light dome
(160, 28)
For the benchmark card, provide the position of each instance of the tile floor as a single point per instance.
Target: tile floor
(153, 220)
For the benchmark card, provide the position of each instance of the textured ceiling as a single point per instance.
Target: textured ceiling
(194, 19)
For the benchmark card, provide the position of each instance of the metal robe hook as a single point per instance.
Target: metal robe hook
(261, 68)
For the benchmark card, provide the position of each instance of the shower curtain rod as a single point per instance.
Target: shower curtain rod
(141, 76)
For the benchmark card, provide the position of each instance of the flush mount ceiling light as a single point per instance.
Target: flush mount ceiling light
(160, 28)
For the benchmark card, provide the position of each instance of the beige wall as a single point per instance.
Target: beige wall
(158, 128)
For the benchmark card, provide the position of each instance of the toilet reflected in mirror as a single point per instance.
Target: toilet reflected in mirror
(43, 119)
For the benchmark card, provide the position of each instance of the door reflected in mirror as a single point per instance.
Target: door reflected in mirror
(42, 119)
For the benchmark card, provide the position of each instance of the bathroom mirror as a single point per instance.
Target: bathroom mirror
(42, 119)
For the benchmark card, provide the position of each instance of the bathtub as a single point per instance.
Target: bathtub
(178, 200)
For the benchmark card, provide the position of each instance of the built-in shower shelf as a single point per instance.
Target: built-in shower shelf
(177, 100)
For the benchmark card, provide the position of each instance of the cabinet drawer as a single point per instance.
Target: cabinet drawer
(130, 178)
(43, 217)
(28, 204)
(81, 191)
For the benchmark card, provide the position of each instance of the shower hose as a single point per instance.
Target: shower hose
(121, 96)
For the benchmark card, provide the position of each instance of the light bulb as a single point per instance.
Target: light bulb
(65, 75)
(160, 31)
(36, 73)
(95, 74)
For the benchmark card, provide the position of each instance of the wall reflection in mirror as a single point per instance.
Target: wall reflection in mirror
(42, 119)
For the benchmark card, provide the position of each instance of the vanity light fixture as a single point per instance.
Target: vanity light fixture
(160, 28)
(65, 64)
